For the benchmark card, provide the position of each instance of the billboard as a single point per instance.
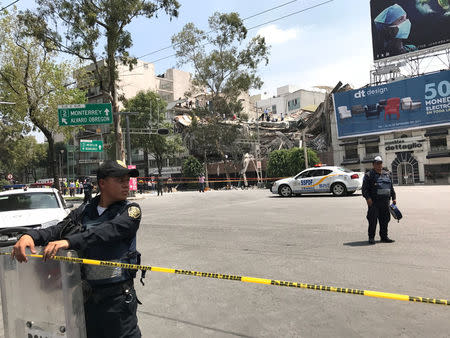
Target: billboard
(403, 26)
(408, 104)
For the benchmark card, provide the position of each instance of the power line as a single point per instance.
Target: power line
(291, 14)
(262, 24)
(12, 3)
(249, 17)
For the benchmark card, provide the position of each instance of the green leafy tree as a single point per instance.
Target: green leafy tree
(26, 156)
(191, 169)
(31, 77)
(289, 162)
(151, 116)
(222, 71)
(80, 27)
(213, 140)
(229, 67)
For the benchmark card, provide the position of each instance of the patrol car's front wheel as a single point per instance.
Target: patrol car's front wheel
(338, 189)
(285, 191)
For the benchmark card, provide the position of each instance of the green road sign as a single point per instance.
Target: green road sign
(91, 145)
(83, 114)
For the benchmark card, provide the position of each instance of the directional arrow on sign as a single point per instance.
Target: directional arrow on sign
(64, 120)
(106, 111)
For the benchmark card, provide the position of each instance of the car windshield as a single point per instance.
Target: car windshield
(345, 170)
(27, 201)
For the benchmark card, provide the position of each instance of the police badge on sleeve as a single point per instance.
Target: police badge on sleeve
(134, 212)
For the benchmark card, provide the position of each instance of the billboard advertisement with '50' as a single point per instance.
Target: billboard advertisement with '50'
(407, 104)
(403, 26)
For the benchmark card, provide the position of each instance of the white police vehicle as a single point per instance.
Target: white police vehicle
(337, 180)
(21, 210)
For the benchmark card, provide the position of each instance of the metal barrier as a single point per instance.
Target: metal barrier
(41, 299)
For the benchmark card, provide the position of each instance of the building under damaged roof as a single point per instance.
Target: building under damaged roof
(272, 135)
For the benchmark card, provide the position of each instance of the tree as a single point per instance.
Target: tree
(79, 27)
(151, 116)
(210, 139)
(31, 77)
(227, 70)
(289, 162)
(26, 156)
(191, 169)
(221, 73)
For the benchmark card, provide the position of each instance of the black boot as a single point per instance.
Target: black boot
(371, 241)
(387, 240)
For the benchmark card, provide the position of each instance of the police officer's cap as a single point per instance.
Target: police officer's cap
(115, 169)
(377, 159)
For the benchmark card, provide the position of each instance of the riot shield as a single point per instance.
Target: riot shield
(41, 299)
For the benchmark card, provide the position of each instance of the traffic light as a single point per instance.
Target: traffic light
(163, 131)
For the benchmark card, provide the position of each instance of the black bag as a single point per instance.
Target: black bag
(72, 223)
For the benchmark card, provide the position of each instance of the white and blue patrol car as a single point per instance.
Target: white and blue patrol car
(325, 179)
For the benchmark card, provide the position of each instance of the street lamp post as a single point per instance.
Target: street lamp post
(61, 156)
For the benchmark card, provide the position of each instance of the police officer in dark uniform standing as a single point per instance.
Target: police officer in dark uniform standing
(87, 185)
(108, 232)
(378, 190)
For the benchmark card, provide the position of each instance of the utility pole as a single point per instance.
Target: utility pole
(258, 149)
(127, 119)
(305, 150)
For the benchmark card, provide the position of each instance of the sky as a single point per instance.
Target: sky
(321, 46)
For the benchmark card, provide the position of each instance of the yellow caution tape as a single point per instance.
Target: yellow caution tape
(366, 293)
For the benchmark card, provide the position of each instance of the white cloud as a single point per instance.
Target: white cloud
(276, 36)
(354, 71)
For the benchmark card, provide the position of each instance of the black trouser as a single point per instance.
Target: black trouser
(379, 211)
(111, 312)
(87, 196)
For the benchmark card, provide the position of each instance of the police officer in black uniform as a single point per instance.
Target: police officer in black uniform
(378, 189)
(87, 185)
(107, 229)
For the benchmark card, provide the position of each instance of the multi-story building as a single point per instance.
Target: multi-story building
(171, 86)
(287, 101)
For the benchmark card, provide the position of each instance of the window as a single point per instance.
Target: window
(372, 149)
(438, 143)
(305, 174)
(274, 109)
(294, 104)
(326, 172)
(346, 170)
(351, 151)
(28, 201)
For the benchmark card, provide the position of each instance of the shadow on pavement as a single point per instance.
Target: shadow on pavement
(316, 196)
(194, 324)
(358, 243)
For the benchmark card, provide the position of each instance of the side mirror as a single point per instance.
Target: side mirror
(69, 205)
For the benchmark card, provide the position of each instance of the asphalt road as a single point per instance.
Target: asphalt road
(315, 239)
(311, 239)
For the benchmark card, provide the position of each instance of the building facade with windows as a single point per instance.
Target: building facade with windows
(288, 101)
(171, 85)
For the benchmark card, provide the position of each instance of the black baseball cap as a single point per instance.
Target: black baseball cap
(115, 169)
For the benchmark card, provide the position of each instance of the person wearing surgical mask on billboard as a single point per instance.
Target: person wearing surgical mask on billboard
(393, 28)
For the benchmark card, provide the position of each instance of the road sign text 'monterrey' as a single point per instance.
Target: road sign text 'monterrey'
(84, 114)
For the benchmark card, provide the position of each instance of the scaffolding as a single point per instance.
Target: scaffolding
(410, 65)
